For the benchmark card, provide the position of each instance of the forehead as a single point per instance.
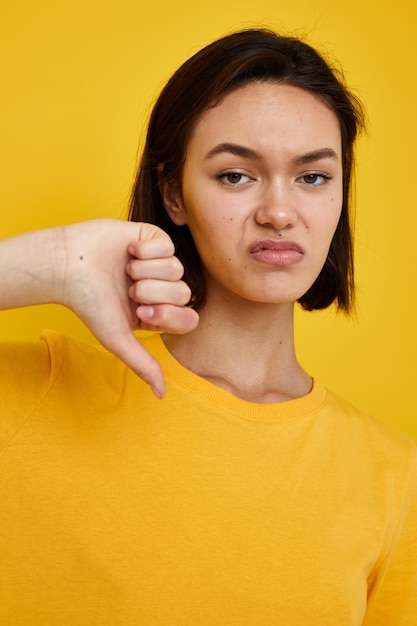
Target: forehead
(268, 115)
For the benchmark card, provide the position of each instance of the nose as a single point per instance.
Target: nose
(276, 206)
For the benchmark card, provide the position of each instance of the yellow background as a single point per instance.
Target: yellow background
(77, 81)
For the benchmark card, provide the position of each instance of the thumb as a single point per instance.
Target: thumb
(152, 242)
(127, 348)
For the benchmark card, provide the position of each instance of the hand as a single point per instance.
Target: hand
(121, 276)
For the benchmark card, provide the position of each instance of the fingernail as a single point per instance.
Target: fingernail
(145, 312)
(159, 394)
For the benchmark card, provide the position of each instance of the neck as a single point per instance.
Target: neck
(249, 352)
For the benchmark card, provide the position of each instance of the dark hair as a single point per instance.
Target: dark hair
(201, 83)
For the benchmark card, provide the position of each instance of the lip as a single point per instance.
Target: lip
(274, 252)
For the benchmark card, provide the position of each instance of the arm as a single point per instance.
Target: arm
(392, 597)
(87, 267)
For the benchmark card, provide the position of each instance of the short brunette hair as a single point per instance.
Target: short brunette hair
(201, 83)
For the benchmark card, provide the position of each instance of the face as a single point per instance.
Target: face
(261, 192)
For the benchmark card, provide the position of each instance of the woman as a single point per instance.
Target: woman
(241, 491)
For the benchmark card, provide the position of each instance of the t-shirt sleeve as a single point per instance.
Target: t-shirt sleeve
(26, 375)
(392, 597)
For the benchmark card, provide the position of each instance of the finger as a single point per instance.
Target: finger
(170, 269)
(167, 318)
(157, 248)
(150, 291)
(131, 352)
(149, 231)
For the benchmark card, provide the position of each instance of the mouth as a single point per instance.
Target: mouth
(279, 253)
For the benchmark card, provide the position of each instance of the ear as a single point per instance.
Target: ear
(171, 197)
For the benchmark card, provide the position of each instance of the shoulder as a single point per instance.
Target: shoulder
(373, 441)
(26, 375)
(42, 359)
(70, 353)
(361, 422)
(85, 371)
(52, 374)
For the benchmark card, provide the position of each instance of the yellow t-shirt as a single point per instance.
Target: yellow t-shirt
(199, 509)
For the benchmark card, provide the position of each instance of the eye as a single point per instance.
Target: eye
(314, 179)
(233, 179)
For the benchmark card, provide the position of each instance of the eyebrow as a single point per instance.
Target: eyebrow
(316, 155)
(232, 148)
(249, 153)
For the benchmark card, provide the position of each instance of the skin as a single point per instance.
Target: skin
(86, 267)
(283, 183)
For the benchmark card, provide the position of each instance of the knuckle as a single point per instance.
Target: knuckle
(177, 269)
(169, 246)
(140, 292)
(138, 247)
(134, 269)
(185, 293)
(164, 316)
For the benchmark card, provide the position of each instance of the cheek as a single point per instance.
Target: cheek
(331, 216)
(322, 227)
(204, 217)
(337, 212)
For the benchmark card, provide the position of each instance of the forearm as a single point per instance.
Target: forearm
(104, 271)
(30, 268)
